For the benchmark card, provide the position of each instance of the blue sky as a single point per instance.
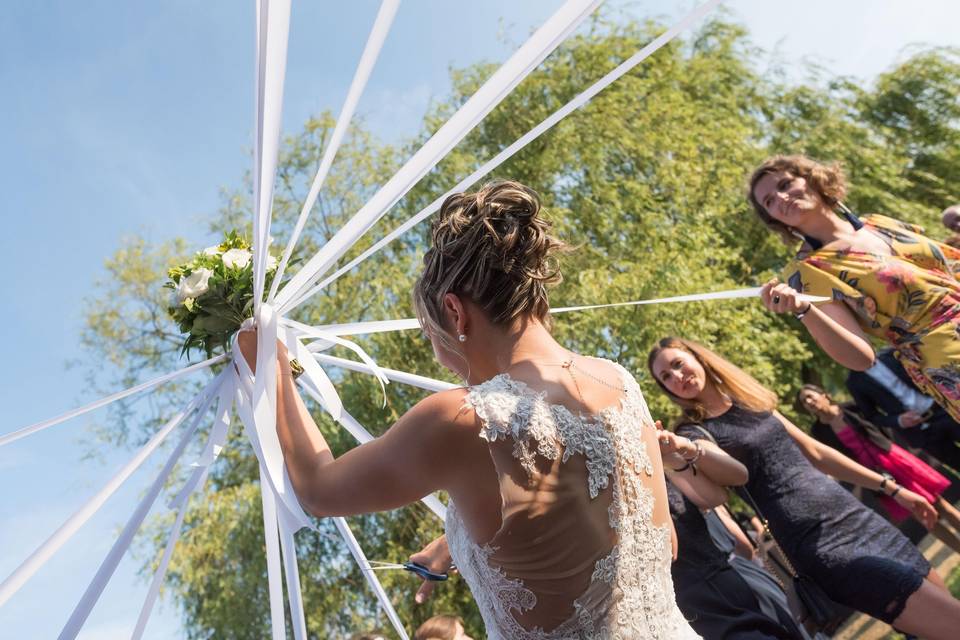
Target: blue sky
(127, 118)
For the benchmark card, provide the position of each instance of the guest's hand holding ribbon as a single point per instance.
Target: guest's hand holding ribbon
(780, 297)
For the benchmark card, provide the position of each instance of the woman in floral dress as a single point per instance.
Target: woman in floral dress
(883, 277)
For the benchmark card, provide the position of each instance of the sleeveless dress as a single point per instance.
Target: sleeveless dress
(911, 299)
(907, 469)
(858, 558)
(718, 601)
(578, 555)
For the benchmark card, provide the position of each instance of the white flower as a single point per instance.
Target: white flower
(212, 251)
(194, 285)
(236, 258)
(271, 263)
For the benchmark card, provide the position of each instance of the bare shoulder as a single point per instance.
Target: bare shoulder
(610, 368)
(443, 413)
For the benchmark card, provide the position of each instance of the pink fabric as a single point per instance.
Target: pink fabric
(908, 470)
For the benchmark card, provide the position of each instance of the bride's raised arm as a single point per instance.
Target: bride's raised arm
(416, 456)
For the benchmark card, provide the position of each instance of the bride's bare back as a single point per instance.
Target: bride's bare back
(581, 539)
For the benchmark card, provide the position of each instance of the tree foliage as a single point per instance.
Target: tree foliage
(647, 181)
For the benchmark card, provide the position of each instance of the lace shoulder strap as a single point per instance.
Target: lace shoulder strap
(502, 409)
(633, 396)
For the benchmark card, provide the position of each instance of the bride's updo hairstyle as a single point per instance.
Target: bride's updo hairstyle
(493, 247)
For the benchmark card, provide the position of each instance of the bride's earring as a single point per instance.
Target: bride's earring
(462, 337)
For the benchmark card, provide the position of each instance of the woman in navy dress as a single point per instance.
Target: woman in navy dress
(716, 600)
(852, 553)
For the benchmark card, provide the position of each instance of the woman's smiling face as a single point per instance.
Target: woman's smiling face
(787, 198)
(680, 373)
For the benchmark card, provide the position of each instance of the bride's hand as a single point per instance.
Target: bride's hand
(247, 341)
(435, 557)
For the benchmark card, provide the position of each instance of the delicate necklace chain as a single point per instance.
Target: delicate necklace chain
(570, 365)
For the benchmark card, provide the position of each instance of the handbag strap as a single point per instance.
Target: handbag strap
(745, 493)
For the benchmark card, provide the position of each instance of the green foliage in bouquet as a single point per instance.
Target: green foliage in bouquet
(213, 293)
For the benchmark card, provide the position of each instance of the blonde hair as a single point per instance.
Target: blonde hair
(494, 247)
(730, 379)
(441, 627)
(826, 180)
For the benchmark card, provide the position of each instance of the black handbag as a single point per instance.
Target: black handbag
(820, 612)
(826, 615)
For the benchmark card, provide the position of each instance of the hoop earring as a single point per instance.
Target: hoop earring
(462, 338)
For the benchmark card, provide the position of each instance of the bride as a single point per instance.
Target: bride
(558, 516)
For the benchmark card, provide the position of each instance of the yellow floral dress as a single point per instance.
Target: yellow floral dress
(911, 299)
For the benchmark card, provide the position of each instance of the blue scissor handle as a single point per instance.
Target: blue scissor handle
(423, 572)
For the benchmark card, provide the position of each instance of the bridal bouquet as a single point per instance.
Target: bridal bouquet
(213, 293)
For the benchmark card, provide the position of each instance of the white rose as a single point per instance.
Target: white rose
(236, 258)
(194, 285)
(212, 251)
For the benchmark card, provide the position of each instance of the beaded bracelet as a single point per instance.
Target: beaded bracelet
(697, 455)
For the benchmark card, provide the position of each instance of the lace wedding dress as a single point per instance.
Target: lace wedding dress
(578, 554)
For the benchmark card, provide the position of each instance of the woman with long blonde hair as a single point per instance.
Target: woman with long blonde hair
(856, 557)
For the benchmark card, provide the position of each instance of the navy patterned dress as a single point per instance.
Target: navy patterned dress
(856, 556)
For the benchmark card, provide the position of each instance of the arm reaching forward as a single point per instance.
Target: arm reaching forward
(416, 456)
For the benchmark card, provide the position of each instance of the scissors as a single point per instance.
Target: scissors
(412, 567)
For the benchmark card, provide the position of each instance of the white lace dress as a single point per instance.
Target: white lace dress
(578, 554)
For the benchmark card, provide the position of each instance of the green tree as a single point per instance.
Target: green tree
(647, 181)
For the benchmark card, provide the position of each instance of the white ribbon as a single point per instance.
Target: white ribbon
(367, 327)
(361, 560)
(414, 380)
(325, 337)
(215, 443)
(273, 26)
(292, 574)
(271, 536)
(51, 545)
(732, 294)
(258, 413)
(493, 91)
(381, 27)
(405, 324)
(123, 541)
(102, 402)
(522, 142)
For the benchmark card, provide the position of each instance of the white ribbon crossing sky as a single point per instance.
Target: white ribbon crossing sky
(485, 169)
(488, 96)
